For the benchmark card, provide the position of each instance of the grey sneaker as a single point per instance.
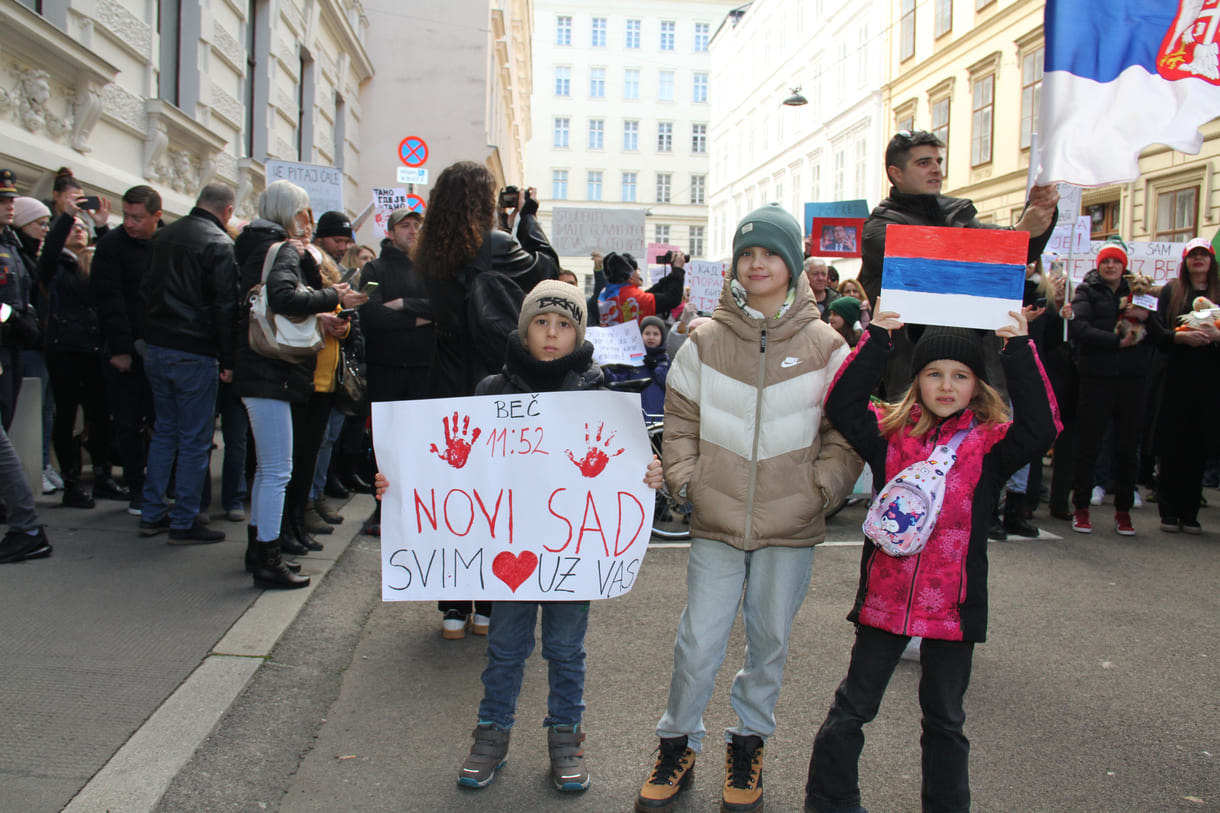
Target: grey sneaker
(487, 755)
(563, 743)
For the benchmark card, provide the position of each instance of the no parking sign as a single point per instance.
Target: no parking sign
(413, 151)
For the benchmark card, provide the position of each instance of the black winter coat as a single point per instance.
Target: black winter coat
(257, 376)
(71, 322)
(115, 275)
(189, 289)
(522, 373)
(1094, 313)
(392, 337)
(18, 253)
(471, 346)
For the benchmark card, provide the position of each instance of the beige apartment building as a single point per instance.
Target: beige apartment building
(177, 94)
(971, 71)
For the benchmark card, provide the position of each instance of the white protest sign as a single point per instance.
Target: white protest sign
(1158, 260)
(513, 497)
(324, 184)
(1069, 202)
(576, 232)
(1069, 237)
(385, 201)
(617, 344)
(705, 280)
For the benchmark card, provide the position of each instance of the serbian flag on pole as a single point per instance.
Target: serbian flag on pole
(1120, 75)
(934, 275)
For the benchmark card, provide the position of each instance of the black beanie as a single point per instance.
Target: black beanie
(617, 267)
(953, 343)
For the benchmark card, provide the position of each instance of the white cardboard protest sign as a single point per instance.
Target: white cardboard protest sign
(1158, 260)
(385, 201)
(705, 280)
(617, 344)
(513, 497)
(324, 184)
(576, 232)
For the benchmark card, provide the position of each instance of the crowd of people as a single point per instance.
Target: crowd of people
(152, 331)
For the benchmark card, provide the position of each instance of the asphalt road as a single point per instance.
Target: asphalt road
(1098, 690)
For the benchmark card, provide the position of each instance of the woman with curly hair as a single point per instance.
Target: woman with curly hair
(477, 276)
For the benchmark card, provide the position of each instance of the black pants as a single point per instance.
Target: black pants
(1121, 399)
(76, 382)
(131, 405)
(308, 426)
(834, 778)
(11, 373)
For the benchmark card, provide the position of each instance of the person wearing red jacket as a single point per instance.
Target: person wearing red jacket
(623, 300)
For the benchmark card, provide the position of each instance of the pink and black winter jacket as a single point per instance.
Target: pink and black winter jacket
(941, 592)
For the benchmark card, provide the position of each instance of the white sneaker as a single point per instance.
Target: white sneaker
(1099, 495)
(479, 624)
(51, 481)
(1136, 502)
(453, 625)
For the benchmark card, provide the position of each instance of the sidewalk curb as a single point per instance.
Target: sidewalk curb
(138, 774)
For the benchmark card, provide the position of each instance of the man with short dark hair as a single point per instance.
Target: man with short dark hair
(190, 303)
(119, 260)
(914, 165)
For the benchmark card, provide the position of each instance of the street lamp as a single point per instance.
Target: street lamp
(796, 99)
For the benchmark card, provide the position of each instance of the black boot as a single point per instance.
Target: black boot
(270, 571)
(289, 544)
(76, 495)
(296, 526)
(335, 489)
(349, 475)
(252, 553)
(1015, 522)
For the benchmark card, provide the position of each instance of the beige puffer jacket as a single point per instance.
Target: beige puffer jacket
(745, 437)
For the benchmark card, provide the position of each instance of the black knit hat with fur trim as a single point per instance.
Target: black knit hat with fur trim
(953, 343)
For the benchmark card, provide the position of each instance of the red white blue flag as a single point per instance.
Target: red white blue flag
(933, 275)
(1121, 75)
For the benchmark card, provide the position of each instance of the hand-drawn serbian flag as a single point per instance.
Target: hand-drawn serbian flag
(1120, 75)
(956, 277)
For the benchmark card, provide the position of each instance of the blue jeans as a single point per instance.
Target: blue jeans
(271, 422)
(334, 426)
(834, 776)
(233, 427)
(769, 584)
(184, 398)
(510, 640)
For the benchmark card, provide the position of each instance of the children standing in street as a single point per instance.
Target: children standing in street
(939, 593)
(747, 446)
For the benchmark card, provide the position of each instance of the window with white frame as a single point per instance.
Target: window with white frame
(664, 183)
(597, 83)
(700, 88)
(668, 29)
(1031, 93)
(562, 126)
(862, 55)
(661, 233)
(631, 83)
(633, 34)
(698, 138)
(630, 181)
(597, 134)
(981, 120)
(594, 190)
(665, 136)
(1177, 215)
(942, 17)
(698, 189)
(631, 136)
(559, 184)
(703, 35)
(563, 30)
(599, 32)
(563, 81)
(665, 86)
(861, 165)
(696, 241)
(940, 128)
(906, 31)
(838, 180)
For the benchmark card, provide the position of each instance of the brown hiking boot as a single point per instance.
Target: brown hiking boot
(673, 771)
(743, 764)
(487, 755)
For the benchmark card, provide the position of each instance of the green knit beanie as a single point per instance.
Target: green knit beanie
(772, 228)
(847, 307)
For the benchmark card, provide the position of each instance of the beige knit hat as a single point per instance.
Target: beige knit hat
(553, 296)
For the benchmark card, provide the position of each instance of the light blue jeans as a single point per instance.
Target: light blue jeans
(271, 423)
(769, 584)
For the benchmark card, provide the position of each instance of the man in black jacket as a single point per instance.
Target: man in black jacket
(190, 302)
(119, 260)
(914, 165)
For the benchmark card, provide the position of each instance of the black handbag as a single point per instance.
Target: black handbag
(351, 389)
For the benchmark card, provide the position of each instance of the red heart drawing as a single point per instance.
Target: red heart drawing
(513, 570)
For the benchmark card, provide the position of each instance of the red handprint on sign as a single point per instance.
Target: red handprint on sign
(595, 459)
(457, 448)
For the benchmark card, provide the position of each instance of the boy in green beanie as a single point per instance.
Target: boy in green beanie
(746, 443)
